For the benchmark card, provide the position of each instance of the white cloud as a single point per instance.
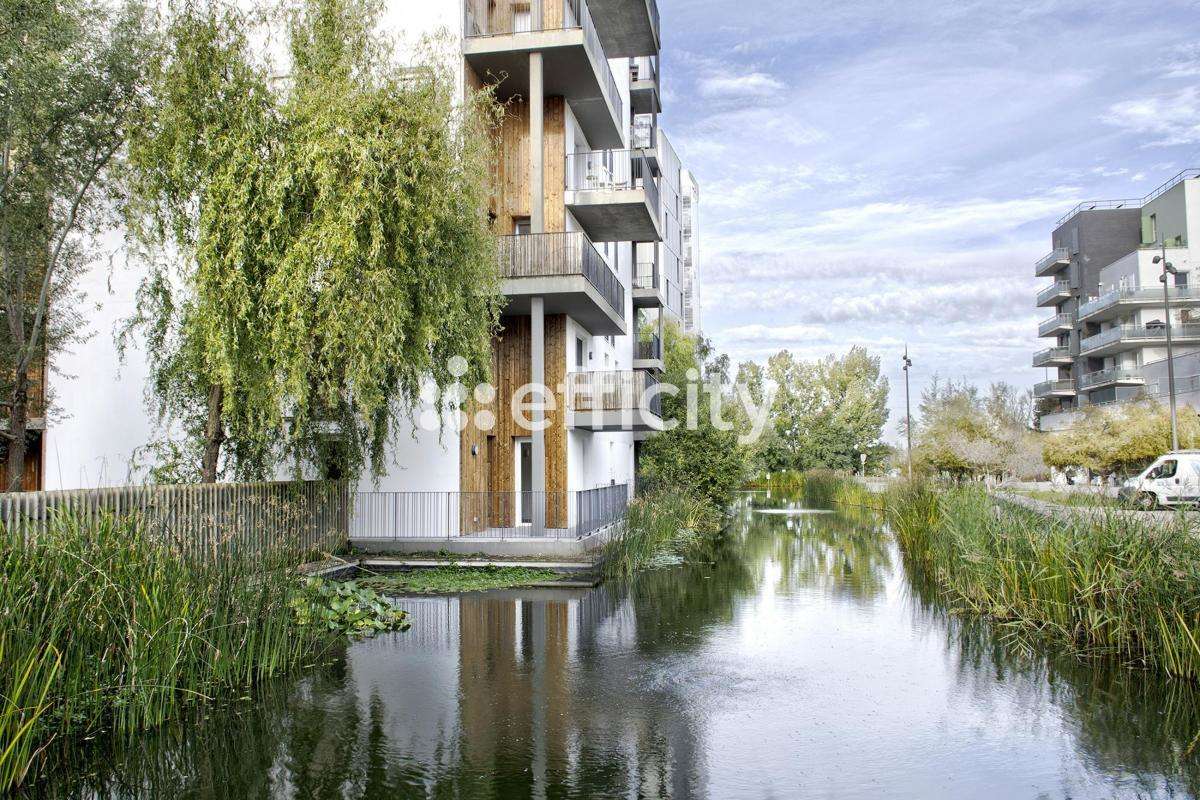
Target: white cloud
(1167, 119)
(753, 84)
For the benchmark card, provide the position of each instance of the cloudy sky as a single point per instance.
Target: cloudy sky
(879, 173)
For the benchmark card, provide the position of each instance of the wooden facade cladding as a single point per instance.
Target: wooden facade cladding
(513, 199)
(487, 458)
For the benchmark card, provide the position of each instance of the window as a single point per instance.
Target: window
(1165, 470)
(521, 226)
(1181, 279)
(579, 346)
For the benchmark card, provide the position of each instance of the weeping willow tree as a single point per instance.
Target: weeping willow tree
(318, 242)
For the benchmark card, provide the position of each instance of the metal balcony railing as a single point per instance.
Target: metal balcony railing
(614, 390)
(1111, 375)
(1136, 202)
(645, 275)
(613, 170)
(643, 132)
(1138, 295)
(1140, 334)
(487, 18)
(1051, 354)
(1053, 290)
(544, 255)
(649, 348)
(486, 515)
(1054, 323)
(1048, 388)
(1059, 255)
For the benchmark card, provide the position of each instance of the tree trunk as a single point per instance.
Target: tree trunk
(214, 434)
(18, 423)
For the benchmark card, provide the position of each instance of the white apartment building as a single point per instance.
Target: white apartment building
(690, 256)
(1111, 334)
(590, 238)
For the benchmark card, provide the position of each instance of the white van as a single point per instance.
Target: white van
(1172, 480)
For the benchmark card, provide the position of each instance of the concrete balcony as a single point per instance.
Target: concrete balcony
(568, 272)
(627, 27)
(1116, 376)
(621, 400)
(1059, 388)
(613, 195)
(643, 85)
(1119, 302)
(1059, 323)
(1053, 262)
(497, 45)
(648, 353)
(1054, 294)
(1053, 357)
(1120, 338)
(648, 286)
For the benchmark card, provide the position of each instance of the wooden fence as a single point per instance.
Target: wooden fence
(289, 516)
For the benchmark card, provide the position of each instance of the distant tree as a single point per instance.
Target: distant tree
(825, 413)
(321, 240)
(71, 75)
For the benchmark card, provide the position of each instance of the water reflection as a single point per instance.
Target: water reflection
(796, 658)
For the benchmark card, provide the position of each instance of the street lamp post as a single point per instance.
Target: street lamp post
(907, 411)
(1168, 269)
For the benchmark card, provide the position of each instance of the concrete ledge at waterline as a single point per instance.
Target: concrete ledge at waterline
(589, 545)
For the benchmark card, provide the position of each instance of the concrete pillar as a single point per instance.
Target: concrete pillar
(537, 376)
(537, 151)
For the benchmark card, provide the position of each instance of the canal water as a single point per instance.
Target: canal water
(802, 661)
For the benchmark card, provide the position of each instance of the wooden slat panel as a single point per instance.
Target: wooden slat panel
(556, 433)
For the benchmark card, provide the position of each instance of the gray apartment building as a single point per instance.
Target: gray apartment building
(1107, 331)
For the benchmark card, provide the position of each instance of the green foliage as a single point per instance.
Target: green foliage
(346, 607)
(825, 413)
(1120, 439)
(71, 74)
(104, 626)
(1115, 585)
(705, 460)
(436, 580)
(826, 488)
(963, 434)
(319, 244)
(661, 528)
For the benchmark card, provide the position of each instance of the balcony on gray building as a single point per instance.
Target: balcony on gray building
(1114, 376)
(1064, 387)
(1126, 337)
(1053, 357)
(1058, 259)
(1059, 323)
(1119, 302)
(1054, 294)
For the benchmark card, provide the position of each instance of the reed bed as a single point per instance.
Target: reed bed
(827, 488)
(661, 527)
(1111, 585)
(106, 628)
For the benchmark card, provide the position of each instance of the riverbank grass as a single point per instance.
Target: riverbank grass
(452, 579)
(1110, 585)
(661, 528)
(104, 627)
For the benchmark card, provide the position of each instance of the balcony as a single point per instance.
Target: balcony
(1059, 323)
(648, 286)
(627, 27)
(1119, 302)
(613, 195)
(1126, 337)
(1115, 376)
(1059, 388)
(497, 45)
(622, 400)
(648, 353)
(643, 85)
(643, 136)
(1054, 294)
(569, 273)
(1053, 357)
(1052, 263)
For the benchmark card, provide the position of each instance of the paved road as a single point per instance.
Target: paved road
(1098, 513)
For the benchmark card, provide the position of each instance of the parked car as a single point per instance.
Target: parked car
(1172, 480)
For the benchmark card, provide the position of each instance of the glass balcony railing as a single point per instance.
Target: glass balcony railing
(1057, 322)
(1111, 375)
(1052, 261)
(1138, 295)
(1140, 334)
(1056, 289)
(1049, 388)
(1051, 355)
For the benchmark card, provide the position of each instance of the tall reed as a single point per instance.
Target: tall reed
(104, 627)
(827, 487)
(1116, 584)
(658, 525)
